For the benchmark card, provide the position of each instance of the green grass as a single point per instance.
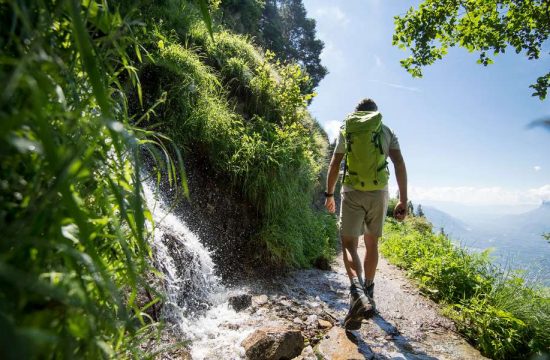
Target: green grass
(246, 114)
(502, 314)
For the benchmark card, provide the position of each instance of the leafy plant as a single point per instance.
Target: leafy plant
(74, 244)
(498, 311)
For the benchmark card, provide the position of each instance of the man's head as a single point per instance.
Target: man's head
(366, 105)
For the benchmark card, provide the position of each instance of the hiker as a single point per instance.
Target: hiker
(364, 144)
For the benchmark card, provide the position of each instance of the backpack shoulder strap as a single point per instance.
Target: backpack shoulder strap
(346, 142)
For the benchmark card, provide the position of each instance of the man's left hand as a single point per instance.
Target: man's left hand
(330, 204)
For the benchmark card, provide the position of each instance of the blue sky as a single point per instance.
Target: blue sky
(462, 127)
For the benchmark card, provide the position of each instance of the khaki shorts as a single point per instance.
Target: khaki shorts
(363, 212)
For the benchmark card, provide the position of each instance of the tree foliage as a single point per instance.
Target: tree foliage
(283, 27)
(487, 27)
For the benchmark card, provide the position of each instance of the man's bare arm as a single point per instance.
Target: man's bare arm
(401, 177)
(332, 178)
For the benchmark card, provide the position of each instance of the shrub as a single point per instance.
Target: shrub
(499, 312)
(74, 244)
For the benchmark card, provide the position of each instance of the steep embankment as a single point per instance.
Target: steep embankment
(252, 150)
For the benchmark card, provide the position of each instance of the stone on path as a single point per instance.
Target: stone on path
(324, 324)
(337, 345)
(273, 344)
(307, 354)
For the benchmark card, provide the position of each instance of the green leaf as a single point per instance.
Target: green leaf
(203, 5)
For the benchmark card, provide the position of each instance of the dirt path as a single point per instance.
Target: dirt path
(408, 325)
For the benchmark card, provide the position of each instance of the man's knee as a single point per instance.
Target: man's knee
(371, 241)
(349, 242)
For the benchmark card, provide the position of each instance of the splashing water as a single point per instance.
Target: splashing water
(196, 301)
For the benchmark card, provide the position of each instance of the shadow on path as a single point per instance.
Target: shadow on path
(332, 289)
(402, 345)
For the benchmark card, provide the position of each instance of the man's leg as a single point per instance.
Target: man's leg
(352, 217)
(371, 257)
(376, 213)
(352, 262)
(360, 306)
(370, 263)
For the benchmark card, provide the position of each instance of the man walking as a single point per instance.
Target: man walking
(365, 143)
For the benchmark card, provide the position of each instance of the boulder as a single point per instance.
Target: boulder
(273, 344)
(324, 324)
(240, 302)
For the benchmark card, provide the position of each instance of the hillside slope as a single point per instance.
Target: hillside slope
(239, 118)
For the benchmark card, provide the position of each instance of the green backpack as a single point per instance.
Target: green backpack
(366, 168)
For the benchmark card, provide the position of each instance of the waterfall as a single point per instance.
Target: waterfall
(196, 302)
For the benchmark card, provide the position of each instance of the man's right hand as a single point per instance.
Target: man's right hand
(400, 211)
(330, 204)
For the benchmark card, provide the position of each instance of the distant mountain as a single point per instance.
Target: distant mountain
(516, 239)
(534, 222)
(451, 225)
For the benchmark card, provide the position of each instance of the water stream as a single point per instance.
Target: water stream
(196, 304)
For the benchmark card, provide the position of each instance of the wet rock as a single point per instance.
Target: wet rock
(323, 324)
(311, 319)
(240, 302)
(273, 344)
(260, 300)
(286, 303)
(307, 354)
(339, 345)
(185, 355)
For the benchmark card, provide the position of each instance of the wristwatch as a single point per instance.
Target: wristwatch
(328, 195)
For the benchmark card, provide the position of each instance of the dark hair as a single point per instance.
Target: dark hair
(366, 105)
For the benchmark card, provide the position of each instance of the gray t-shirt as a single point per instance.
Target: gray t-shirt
(389, 141)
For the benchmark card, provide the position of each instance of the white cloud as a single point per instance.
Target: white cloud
(537, 168)
(397, 86)
(332, 128)
(470, 195)
(378, 61)
(333, 57)
(542, 193)
(332, 13)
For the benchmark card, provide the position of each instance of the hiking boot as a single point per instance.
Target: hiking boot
(360, 308)
(369, 291)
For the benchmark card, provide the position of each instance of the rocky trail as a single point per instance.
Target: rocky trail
(407, 326)
(274, 318)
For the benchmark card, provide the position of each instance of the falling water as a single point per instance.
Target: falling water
(196, 301)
